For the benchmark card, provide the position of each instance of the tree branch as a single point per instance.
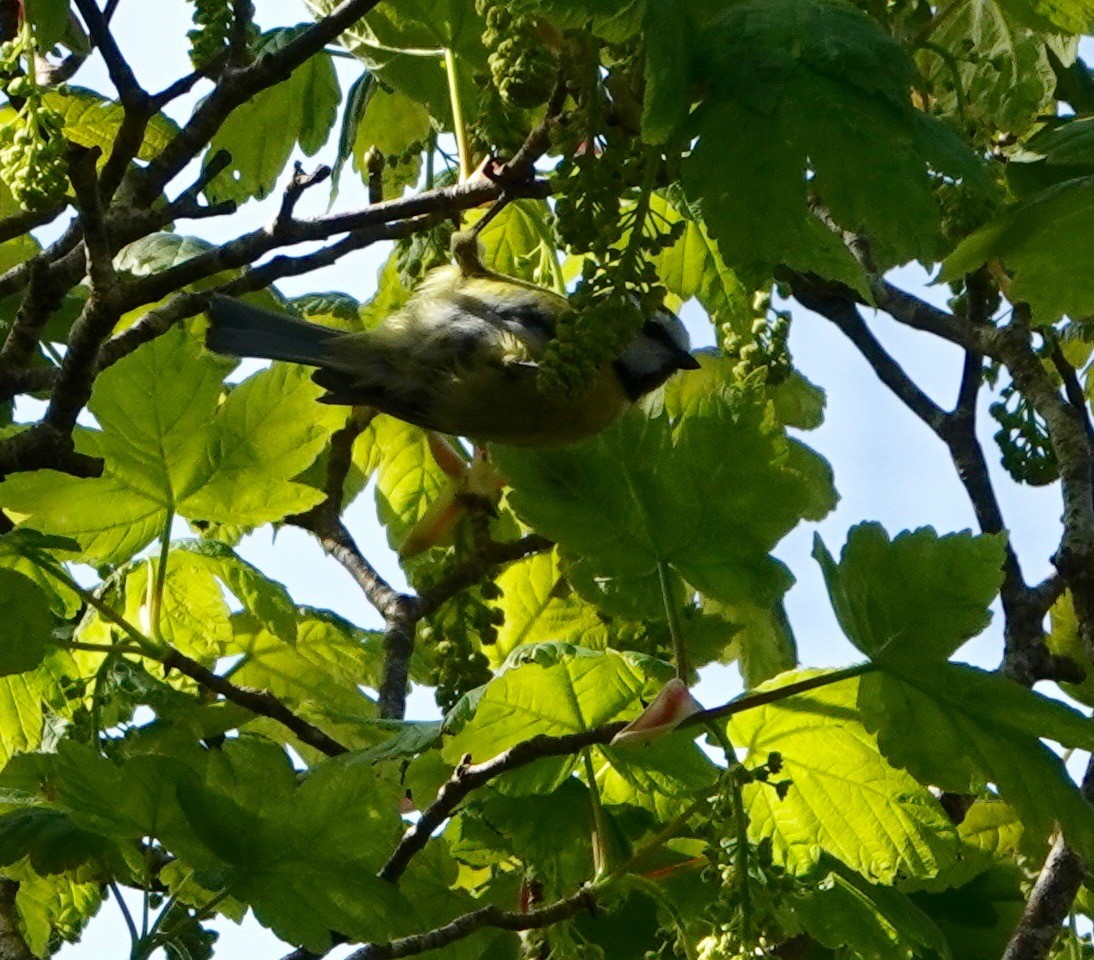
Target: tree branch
(237, 86)
(261, 702)
(469, 923)
(1053, 894)
(12, 944)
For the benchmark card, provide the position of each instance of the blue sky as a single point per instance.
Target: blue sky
(888, 466)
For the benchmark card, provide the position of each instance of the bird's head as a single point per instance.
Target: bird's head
(660, 349)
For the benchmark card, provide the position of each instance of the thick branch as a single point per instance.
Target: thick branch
(1052, 896)
(12, 944)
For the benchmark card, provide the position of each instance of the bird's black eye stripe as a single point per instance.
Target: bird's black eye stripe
(527, 315)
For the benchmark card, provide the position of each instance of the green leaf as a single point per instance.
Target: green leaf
(657, 489)
(764, 640)
(916, 598)
(878, 922)
(28, 623)
(169, 445)
(539, 606)
(1035, 241)
(979, 918)
(261, 133)
(304, 857)
(93, 121)
(424, 31)
(317, 673)
(408, 479)
(693, 267)
(193, 615)
(520, 242)
(555, 689)
(814, 86)
(55, 907)
(845, 799)
(1064, 640)
(397, 126)
(668, 80)
(1072, 16)
(960, 728)
(23, 699)
(48, 18)
(266, 599)
(1002, 66)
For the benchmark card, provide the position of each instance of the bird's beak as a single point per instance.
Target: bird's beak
(685, 360)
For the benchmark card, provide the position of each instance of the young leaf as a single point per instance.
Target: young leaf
(960, 728)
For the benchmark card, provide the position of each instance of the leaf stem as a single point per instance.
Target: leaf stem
(458, 125)
(601, 848)
(679, 651)
(750, 701)
(155, 606)
(146, 646)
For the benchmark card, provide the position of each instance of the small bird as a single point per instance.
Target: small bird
(460, 358)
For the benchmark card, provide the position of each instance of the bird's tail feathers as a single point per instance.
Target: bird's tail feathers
(239, 329)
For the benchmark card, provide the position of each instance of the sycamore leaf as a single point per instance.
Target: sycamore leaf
(170, 446)
(1035, 241)
(318, 673)
(303, 857)
(553, 689)
(916, 598)
(978, 918)
(879, 922)
(193, 615)
(656, 490)
(48, 18)
(693, 267)
(668, 83)
(22, 700)
(959, 728)
(266, 599)
(58, 906)
(379, 38)
(28, 622)
(520, 242)
(909, 604)
(398, 127)
(1063, 639)
(1002, 65)
(93, 121)
(539, 606)
(845, 799)
(261, 133)
(408, 477)
(813, 87)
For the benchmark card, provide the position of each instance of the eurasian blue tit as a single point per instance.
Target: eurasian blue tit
(460, 358)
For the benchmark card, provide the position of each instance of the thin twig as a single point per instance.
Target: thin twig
(469, 923)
